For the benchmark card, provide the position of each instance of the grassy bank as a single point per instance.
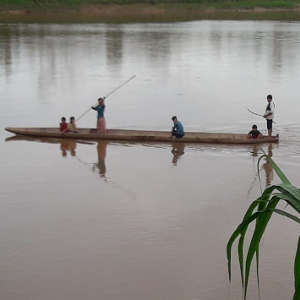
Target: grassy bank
(145, 10)
(51, 4)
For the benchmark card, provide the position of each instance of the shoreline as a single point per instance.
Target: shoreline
(121, 13)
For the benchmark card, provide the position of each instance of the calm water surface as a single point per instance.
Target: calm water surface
(142, 221)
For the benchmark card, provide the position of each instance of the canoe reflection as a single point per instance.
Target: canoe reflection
(177, 151)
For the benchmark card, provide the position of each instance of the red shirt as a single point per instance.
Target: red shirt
(63, 127)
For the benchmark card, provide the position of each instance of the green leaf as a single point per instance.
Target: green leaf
(297, 273)
(291, 194)
(261, 224)
(286, 214)
(235, 235)
(242, 238)
(278, 171)
(266, 206)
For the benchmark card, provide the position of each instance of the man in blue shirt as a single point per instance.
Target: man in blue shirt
(177, 129)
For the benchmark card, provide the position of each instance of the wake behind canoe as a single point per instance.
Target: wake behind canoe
(143, 136)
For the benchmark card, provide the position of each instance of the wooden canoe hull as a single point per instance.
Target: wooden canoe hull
(143, 136)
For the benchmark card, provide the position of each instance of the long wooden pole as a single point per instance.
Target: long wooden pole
(254, 113)
(107, 95)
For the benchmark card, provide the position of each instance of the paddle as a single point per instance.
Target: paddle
(254, 113)
(107, 95)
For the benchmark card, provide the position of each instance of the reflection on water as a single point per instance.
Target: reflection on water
(149, 224)
(256, 152)
(268, 167)
(68, 146)
(158, 43)
(138, 225)
(100, 165)
(177, 151)
(114, 35)
(178, 66)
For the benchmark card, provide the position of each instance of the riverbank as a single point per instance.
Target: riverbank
(145, 12)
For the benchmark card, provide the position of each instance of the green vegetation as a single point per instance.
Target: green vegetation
(260, 211)
(117, 11)
(247, 4)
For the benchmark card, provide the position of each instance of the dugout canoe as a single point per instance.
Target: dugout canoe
(143, 136)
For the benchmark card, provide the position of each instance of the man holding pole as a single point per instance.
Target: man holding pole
(100, 107)
(269, 114)
(101, 126)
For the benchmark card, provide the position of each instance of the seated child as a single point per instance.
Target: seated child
(72, 125)
(63, 126)
(254, 133)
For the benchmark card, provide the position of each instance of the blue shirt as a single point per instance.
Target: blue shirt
(100, 110)
(178, 128)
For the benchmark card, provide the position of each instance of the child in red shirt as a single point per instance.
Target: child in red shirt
(63, 126)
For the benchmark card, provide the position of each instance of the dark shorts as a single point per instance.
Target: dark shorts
(177, 135)
(269, 124)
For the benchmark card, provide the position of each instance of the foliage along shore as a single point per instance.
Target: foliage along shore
(145, 11)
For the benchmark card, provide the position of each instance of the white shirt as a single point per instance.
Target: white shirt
(271, 116)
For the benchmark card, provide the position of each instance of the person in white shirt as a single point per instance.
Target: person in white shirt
(269, 114)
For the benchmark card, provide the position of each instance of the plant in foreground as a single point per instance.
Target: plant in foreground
(261, 211)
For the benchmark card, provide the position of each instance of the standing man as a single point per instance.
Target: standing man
(101, 124)
(177, 129)
(269, 114)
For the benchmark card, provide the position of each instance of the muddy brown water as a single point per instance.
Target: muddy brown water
(113, 220)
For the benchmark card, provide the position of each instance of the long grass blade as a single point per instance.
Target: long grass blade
(289, 190)
(263, 203)
(242, 238)
(258, 168)
(264, 198)
(257, 267)
(256, 238)
(241, 230)
(294, 203)
(265, 206)
(297, 273)
(235, 235)
(286, 214)
(278, 171)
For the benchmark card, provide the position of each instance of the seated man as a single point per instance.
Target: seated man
(177, 129)
(254, 133)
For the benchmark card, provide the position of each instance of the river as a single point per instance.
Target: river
(133, 220)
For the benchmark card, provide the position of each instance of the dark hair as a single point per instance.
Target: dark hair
(174, 118)
(254, 126)
(269, 97)
(63, 119)
(100, 99)
(72, 118)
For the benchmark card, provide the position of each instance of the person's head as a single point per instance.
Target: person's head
(254, 127)
(269, 98)
(100, 101)
(63, 119)
(174, 119)
(72, 119)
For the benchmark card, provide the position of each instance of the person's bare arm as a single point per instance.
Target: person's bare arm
(268, 114)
